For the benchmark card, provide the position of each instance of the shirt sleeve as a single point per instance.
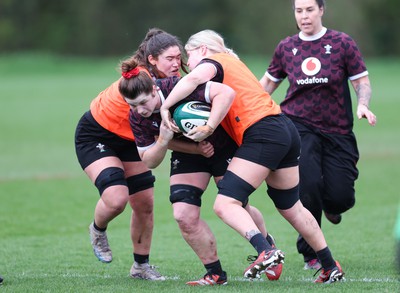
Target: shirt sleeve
(354, 63)
(275, 70)
(142, 130)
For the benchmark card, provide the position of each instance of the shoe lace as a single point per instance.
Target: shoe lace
(149, 270)
(251, 258)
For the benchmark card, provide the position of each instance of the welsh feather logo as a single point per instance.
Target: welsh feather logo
(311, 66)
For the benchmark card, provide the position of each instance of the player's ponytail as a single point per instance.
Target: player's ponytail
(134, 81)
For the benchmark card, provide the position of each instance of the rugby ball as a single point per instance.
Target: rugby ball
(191, 114)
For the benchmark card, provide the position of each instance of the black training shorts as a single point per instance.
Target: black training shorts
(182, 163)
(272, 142)
(93, 142)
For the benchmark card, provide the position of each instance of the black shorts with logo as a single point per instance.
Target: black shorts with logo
(93, 142)
(224, 150)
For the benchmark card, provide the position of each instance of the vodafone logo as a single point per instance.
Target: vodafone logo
(311, 66)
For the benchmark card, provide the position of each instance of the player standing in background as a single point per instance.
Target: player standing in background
(192, 164)
(269, 150)
(106, 151)
(318, 62)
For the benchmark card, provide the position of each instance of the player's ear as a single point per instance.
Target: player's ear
(152, 60)
(155, 88)
(203, 50)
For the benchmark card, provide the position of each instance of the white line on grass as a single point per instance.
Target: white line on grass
(238, 279)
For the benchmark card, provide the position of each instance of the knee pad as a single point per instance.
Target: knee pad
(284, 198)
(186, 193)
(140, 182)
(233, 186)
(109, 177)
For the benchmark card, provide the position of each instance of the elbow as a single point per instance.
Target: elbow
(151, 164)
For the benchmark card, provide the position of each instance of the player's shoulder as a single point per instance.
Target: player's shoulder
(289, 39)
(167, 84)
(289, 42)
(338, 35)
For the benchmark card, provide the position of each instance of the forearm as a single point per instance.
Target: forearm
(153, 156)
(269, 85)
(220, 107)
(362, 87)
(184, 147)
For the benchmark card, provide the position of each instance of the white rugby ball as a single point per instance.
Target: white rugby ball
(191, 114)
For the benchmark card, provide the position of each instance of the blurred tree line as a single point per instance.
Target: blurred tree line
(114, 27)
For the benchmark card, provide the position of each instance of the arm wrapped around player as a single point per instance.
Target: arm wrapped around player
(200, 133)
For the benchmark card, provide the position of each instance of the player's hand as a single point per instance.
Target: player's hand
(205, 149)
(167, 120)
(200, 133)
(166, 135)
(364, 112)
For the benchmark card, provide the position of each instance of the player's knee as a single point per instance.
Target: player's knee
(219, 208)
(187, 216)
(284, 198)
(110, 177)
(187, 219)
(143, 204)
(235, 187)
(185, 193)
(140, 182)
(339, 200)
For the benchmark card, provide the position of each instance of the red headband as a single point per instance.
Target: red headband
(131, 73)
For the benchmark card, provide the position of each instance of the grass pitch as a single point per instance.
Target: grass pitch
(47, 203)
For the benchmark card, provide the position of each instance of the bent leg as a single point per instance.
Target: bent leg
(141, 199)
(114, 197)
(196, 232)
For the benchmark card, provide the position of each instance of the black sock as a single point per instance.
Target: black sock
(98, 228)
(326, 259)
(260, 243)
(214, 268)
(141, 259)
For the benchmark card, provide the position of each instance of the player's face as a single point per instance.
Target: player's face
(308, 16)
(168, 62)
(145, 104)
(194, 57)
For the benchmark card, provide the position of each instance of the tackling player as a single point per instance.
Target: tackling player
(106, 150)
(269, 149)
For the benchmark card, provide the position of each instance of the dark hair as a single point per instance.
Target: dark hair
(155, 43)
(321, 3)
(134, 86)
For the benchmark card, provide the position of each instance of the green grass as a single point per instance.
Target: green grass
(47, 202)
